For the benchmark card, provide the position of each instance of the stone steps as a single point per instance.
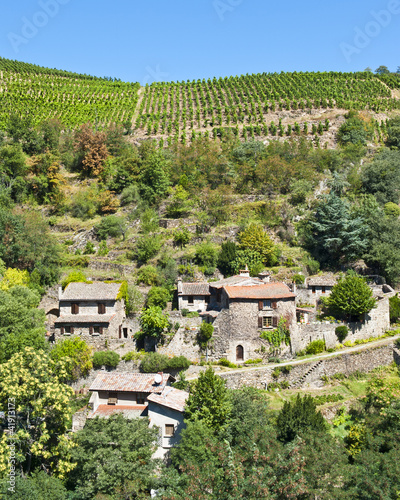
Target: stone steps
(303, 379)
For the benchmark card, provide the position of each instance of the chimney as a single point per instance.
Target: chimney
(245, 272)
(265, 276)
(60, 293)
(179, 286)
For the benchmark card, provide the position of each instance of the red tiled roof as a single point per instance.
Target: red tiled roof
(261, 291)
(127, 410)
(171, 398)
(129, 382)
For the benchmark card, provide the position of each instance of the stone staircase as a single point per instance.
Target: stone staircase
(307, 376)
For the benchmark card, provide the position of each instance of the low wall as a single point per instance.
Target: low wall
(347, 363)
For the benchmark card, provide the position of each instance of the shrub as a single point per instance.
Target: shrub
(253, 361)
(147, 247)
(315, 347)
(158, 296)
(178, 363)
(276, 373)
(148, 275)
(129, 195)
(274, 359)
(298, 279)
(182, 237)
(89, 249)
(111, 226)
(74, 277)
(225, 362)
(184, 312)
(394, 309)
(132, 356)
(286, 369)
(109, 359)
(206, 255)
(341, 333)
(154, 362)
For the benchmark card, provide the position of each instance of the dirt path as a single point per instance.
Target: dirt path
(316, 358)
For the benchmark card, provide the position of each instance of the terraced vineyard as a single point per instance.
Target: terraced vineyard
(248, 105)
(72, 98)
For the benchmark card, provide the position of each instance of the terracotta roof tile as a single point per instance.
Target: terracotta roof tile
(171, 398)
(129, 411)
(195, 289)
(129, 382)
(260, 291)
(91, 291)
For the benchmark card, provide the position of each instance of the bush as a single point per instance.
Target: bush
(341, 333)
(394, 309)
(206, 255)
(184, 312)
(225, 362)
(158, 296)
(74, 277)
(148, 275)
(111, 226)
(147, 247)
(132, 356)
(129, 195)
(253, 361)
(154, 362)
(89, 249)
(109, 359)
(315, 347)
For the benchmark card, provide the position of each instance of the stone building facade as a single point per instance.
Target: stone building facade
(93, 311)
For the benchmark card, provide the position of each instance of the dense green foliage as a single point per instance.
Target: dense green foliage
(109, 359)
(76, 355)
(153, 362)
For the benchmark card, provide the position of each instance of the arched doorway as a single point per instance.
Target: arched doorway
(239, 353)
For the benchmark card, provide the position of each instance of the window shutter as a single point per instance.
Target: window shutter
(62, 330)
(274, 305)
(260, 322)
(120, 331)
(101, 308)
(274, 322)
(101, 330)
(90, 330)
(72, 330)
(260, 305)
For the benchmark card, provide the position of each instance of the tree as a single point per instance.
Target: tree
(114, 457)
(30, 381)
(299, 417)
(153, 322)
(256, 239)
(76, 355)
(226, 258)
(111, 226)
(393, 133)
(206, 255)
(92, 150)
(209, 401)
(21, 322)
(334, 234)
(14, 277)
(158, 296)
(147, 247)
(381, 177)
(394, 305)
(154, 178)
(350, 298)
(38, 486)
(382, 70)
(206, 331)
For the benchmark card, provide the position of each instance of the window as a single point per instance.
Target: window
(323, 289)
(69, 330)
(101, 308)
(219, 295)
(267, 303)
(169, 430)
(267, 321)
(140, 398)
(112, 398)
(96, 330)
(191, 300)
(207, 299)
(313, 289)
(125, 333)
(74, 308)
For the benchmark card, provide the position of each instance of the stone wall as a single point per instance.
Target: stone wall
(310, 372)
(376, 323)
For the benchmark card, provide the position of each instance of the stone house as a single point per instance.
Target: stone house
(193, 296)
(92, 310)
(138, 395)
(241, 308)
(314, 288)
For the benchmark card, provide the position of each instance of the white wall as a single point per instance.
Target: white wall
(159, 416)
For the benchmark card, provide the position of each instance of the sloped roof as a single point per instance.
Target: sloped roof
(91, 291)
(236, 281)
(260, 291)
(84, 318)
(129, 382)
(195, 289)
(171, 398)
(321, 281)
(128, 411)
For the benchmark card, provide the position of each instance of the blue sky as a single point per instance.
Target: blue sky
(190, 39)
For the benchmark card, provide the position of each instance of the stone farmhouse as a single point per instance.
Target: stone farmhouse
(242, 307)
(92, 311)
(137, 395)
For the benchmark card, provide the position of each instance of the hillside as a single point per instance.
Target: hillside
(262, 105)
